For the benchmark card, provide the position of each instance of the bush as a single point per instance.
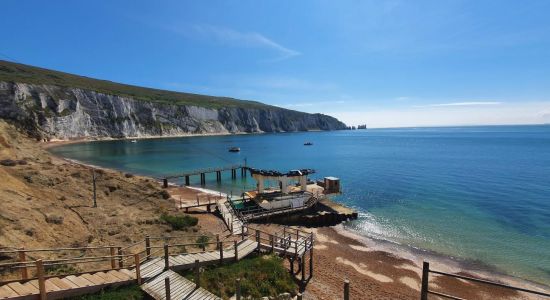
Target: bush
(179, 222)
(261, 276)
(202, 241)
(131, 292)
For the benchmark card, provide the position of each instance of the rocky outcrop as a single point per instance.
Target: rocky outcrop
(50, 111)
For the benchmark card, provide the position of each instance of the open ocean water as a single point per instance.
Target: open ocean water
(479, 194)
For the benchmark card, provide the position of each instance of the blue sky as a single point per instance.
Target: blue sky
(383, 63)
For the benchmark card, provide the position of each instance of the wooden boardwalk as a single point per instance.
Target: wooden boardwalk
(72, 285)
(150, 269)
(67, 286)
(180, 288)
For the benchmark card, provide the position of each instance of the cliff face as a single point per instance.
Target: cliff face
(50, 111)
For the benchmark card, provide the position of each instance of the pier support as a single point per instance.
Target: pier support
(203, 179)
(218, 176)
(187, 180)
(243, 172)
(233, 174)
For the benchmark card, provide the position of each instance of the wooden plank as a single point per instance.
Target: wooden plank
(117, 275)
(108, 278)
(49, 286)
(21, 289)
(81, 282)
(129, 273)
(7, 292)
(96, 280)
(59, 283)
(69, 283)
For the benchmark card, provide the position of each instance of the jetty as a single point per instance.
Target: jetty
(203, 172)
(153, 267)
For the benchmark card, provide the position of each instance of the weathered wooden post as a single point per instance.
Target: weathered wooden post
(165, 182)
(272, 242)
(291, 261)
(120, 260)
(238, 288)
(220, 247)
(346, 289)
(242, 232)
(236, 250)
(186, 179)
(41, 279)
(258, 240)
(217, 241)
(113, 263)
(138, 271)
(311, 262)
(22, 259)
(303, 260)
(167, 287)
(425, 279)
(148, 246)
(197, 274)
(166, 257)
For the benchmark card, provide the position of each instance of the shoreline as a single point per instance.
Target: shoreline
(442, 262)
(415, 255)
(60, 142)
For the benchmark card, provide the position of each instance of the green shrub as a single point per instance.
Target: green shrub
(202, 241)
(129, 292)
(179, 222)
(261, 276)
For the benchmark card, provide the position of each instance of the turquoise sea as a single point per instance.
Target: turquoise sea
(478, 194)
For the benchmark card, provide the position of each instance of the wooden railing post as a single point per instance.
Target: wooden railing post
(120, 260)
(258, 240)
(220, 247)
(311, 262)
(22, 259)
(242, 232)
(148, 246)
(238, 288)
(303, 261)
(138, 271)
(41, 279)
(197, 274)
(346, 289)
(217, 240)
(167, 287)
(113, 262)
(166, 257)
(272, 242)
(236, 251)
(425, 279)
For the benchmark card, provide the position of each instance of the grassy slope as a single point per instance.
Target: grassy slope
(13, 72)
(260, 276)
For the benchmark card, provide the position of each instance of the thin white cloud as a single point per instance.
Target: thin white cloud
(505, 114)
(244, 39)
(307, 104)
(476, 103)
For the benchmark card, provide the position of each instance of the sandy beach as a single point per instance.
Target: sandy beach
(375, 269)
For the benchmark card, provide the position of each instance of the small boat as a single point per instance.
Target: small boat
(308, 144)
(133, 141)
(234, 149)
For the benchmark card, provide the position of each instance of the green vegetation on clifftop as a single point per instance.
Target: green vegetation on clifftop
(14, 72)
